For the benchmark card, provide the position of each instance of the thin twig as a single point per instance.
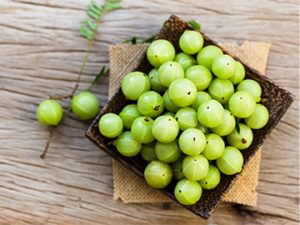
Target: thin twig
(89, 30)
(85, 59)
(43, 155)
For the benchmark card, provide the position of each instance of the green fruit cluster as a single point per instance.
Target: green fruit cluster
(190, 117)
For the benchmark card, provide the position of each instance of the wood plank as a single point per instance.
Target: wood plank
(41, 51)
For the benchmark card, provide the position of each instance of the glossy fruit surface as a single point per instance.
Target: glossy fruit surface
(110, 125)
(165, 129)
(148, 152)
(186, 117)
(159, 52)
(49, 113)
(192, 141)
(128, 114)
(223, 66)
(150, 104)
(182, 92)
(241, 104)
(187, 192)
(231, 162)
(134, 84)
(214, 147)
(158, 174)
(221, 90)
(259, 118)
(169, 72)
(227, 126)
(169, 105)
(195, 168)
(127, 145)
(252, 87)
(212, 179)
(201, 97)
(191, 42)
(207, 55)
(177, 168)
(141, 129)
(85, 105)
(210, 113)
(167, 152)
(241, 139)
(239, 73)
(200, 76)
(155, 82)
(185, 60)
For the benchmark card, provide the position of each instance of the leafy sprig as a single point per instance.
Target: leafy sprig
(88, 30)
(103, 72)
(95, 12)
(137, 40)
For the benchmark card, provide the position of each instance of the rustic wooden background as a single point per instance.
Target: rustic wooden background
(40, 55)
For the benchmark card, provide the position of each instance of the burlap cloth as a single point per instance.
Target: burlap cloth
(131, 188)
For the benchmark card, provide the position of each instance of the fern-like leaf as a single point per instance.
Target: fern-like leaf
(95, 11)
(89, 27)
(103, 72)
(112, 6)
(87, 33)
(91, 24)
(114, 1)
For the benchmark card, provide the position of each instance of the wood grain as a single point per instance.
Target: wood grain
(41, 51)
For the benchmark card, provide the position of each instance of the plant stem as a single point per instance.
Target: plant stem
(43, 155)
(85, 60)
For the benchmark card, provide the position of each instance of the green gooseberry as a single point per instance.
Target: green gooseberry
(127, 145)
(177, 168)
(212, 179)
(110, 125)
(49, 113)
(187, 192)
(231, 162)
(148, 152)
(158, 174)
(85, 105)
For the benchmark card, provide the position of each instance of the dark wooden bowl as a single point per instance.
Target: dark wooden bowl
(277, 101)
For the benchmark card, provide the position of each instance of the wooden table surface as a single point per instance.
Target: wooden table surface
(40, 55)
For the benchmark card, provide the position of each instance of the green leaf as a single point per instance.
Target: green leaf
(194, 24)
(91, 24)
(114, 1)
(86, 32)
(94, 15)
(132, 40)
(237, 125)
(95, 12)
(94, 4)
(103, 72)
(111, 6)
(136, 40)
(149, 39)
